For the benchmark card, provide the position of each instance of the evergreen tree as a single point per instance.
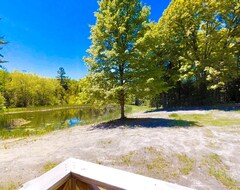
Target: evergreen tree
(2, 42)
(63, 79)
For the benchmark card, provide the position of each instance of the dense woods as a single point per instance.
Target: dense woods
(190, 57)
(28, 90)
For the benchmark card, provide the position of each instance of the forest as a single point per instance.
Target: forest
(190, 57)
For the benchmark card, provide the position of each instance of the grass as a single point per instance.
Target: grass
(27, 132)
(187, 164)
(158, 163)
(207, 119)
(10, 186)
(127, 159)
(218, 169)
(149, 161)
(130, 109)
(48, 166)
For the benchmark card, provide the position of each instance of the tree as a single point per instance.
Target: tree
(158, 71)
(23, 90)
(2, 42)
(112, 57)
(4, 77)
(201, 41)
(63, 79)
(205, 33)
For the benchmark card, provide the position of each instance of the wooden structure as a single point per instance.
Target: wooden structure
(74, 174)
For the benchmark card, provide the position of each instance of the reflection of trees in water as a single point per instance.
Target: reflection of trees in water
(58, 118)
(42, 122)
(4, 122)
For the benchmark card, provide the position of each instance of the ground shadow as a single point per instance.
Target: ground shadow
(144, 122)
(207, 108)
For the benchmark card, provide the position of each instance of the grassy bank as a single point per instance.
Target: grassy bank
(213, 118)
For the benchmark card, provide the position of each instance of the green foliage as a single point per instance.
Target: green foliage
(198, 44)
(203, 34)
(190, 57)
(2, 102)
(116, 70)
(25, 90)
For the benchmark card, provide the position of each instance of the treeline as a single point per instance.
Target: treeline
(190, 57)
(198, 44)
(19, 89)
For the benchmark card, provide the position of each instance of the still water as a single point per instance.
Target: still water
(41, 122)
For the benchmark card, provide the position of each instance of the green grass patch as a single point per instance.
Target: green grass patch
(48, 166)
(237, 111)
(207, 119)
(149, 161)
(127, 159)
(187, 164)
(130, 109)
(218, 169)
(28, 131)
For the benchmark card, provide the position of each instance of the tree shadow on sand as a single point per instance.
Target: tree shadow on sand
(204, 108)
(145, 123)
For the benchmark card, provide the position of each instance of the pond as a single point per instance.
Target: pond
(23, 124)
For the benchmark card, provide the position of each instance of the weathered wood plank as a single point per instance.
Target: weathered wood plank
(84, 186)
(73, 184)
(89, 176)
(111, 178)
(52, 179)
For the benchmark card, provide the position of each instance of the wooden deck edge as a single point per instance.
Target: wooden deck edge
(51, 179)
(98, 175)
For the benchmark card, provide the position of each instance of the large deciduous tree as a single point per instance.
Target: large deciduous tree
(113, 60)
(206, 34)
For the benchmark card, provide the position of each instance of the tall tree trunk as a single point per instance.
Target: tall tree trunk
(122, 104)
(122, 93)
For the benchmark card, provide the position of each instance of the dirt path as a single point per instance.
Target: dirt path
(124, 146)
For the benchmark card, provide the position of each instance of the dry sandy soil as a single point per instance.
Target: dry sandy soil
(150, 144)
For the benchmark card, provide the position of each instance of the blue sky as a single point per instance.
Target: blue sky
(44, 35)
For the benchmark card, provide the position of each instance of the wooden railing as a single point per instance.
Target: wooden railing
(74, 174)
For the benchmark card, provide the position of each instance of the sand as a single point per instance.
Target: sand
(23, 159)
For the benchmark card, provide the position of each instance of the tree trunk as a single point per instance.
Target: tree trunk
(122, 92)
(122, 103)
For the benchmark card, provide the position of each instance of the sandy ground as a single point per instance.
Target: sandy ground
(23, 159)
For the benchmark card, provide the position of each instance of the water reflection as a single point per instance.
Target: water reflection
(74, 121)
(34, 123)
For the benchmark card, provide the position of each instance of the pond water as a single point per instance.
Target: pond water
(41, 122)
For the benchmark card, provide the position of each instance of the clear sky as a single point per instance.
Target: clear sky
(44, 35)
